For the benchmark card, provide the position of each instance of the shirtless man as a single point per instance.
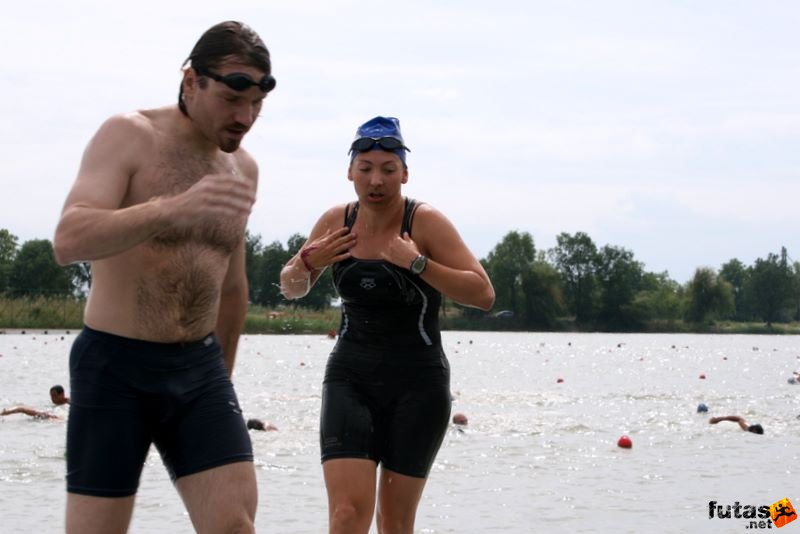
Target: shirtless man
(159, 208)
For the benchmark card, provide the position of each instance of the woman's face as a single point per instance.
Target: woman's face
(377, 176)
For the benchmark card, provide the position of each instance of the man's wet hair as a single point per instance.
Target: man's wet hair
(58, 388)
(756, 429)
(227, 40)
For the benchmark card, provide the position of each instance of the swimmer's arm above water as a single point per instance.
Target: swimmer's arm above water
(732, 418)
(28, 411)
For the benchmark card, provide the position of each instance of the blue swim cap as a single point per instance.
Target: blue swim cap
(702, 408)
(379, 128)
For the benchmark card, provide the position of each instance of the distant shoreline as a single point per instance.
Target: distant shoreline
(38, 331)
(757, 331)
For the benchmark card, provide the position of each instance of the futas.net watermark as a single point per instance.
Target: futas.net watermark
(776, 515)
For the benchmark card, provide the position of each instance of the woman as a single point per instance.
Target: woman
(386, 392)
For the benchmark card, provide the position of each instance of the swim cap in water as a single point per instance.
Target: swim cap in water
(379, 128)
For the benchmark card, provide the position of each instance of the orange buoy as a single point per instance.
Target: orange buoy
(625, 442)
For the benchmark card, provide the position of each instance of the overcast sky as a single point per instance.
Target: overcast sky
(669, 128)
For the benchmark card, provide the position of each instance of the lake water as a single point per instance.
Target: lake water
(538, 455)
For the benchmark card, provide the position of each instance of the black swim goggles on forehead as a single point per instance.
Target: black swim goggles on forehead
(365, 144)
(239, 81)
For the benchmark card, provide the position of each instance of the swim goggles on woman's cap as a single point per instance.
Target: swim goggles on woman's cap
(239, 81)
(365, 144)
(379, 132)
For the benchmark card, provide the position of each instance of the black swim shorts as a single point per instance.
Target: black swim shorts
(394, 411)
(126, 394)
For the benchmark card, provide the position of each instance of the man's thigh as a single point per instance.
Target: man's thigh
(221, 499)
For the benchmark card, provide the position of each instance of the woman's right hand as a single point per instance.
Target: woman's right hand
(331, 247)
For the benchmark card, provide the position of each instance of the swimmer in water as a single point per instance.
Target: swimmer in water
(58, 396)
(755, 429)
(258, 424)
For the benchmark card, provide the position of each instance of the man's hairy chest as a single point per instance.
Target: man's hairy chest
(172, 172)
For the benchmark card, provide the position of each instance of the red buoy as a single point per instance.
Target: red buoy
(625, 442)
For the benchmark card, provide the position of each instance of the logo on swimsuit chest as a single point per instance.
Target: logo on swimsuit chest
(368, 283)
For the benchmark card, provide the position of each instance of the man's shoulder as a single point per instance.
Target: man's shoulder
(143, 121)
(133, 132)
(246, 162)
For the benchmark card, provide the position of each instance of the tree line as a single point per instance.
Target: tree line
(576, 283)
(606, 288)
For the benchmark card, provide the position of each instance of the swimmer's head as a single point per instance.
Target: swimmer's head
(379, 133)
(230, 40)
(57, 394)
(255, 424)
(755, 429)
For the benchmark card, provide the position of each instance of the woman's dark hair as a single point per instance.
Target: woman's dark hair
(230, 39)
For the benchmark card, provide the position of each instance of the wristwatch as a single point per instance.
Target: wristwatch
(418, 265)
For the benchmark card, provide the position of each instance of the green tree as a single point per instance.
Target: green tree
(273, 258)
(267, 263)
(544, 300)
(506, 266)
(737, 275)
(575, 257)
(659, 298)
(295, 243)
(770, 288)
(708, 297)
(618, 278)
(8, 251)
(796, 290)
(253, 250)
(35, 271)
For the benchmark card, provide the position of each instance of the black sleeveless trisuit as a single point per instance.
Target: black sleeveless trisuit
(386, 392)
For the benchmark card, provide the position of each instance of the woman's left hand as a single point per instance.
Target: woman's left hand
(401, 251)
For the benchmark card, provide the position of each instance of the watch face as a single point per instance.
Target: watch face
(419, 264)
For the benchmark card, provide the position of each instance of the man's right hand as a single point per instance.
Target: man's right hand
(226, 196)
